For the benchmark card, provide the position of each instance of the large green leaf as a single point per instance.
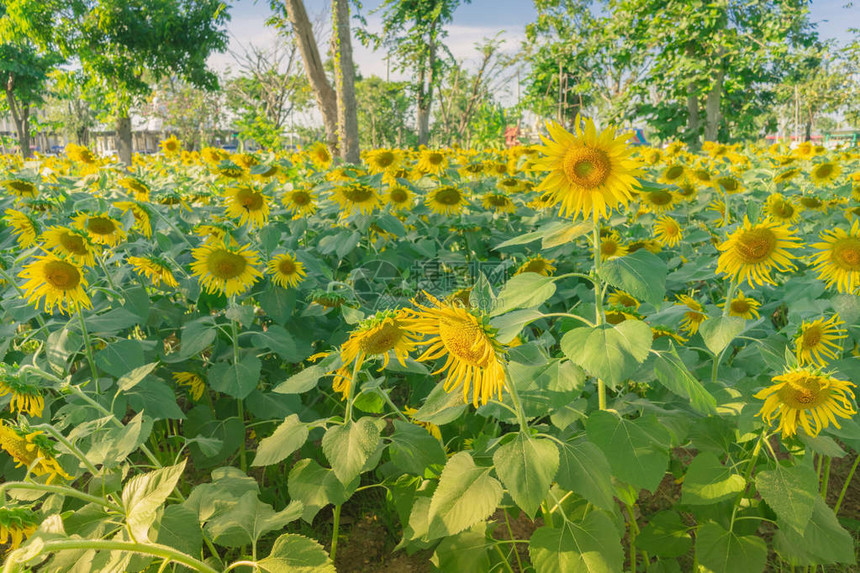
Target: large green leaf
(527, 467)
(526, 290)
(609, 352)
(823, 540)
(640, 273)
(278, 340)
(143, 495)
(236, 379)
(316, 487)
(180, 529)
(441, 407)
(707, 481)
(289, 436)
(719, 332)
(592, 546)
(133, 378)
(583, 469)
(721, 551)
(674, 375)
(791, 493)
(636, 449)
(308, 378)
(248, 519)
(196, 337)
(466, 495)
(348, 447)
(413, 449)
(466, 551)
(665, 535)
(293, 553)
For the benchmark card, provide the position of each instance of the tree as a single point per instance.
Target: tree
(413, 31)
(383, 108)
(344, 73)
(75, 103)
(128, 44)
(193, 114)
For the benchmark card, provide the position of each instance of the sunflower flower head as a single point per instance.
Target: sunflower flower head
(446, 200)
(694, 314)
(195, 384)
(589, 174)
(24, 227)
(753, 251)
(816, 341)
(100, 228)
(32, 450)
(837, 259)
(21, 188)
(473, 356)
(155, 269)
(537, 264)
(26, 397)
(807, 398)
(667, 231)
(356, 197)
(16, 524)
(171, 145)
(248, 205)
(73, 245)
(301, 202)
(225, 269)
(286, 271)
(623, 299)
(59, 282)
(743, 306)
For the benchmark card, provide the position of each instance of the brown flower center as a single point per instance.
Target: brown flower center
(824, 170)
(755, 245)
(435, 158)
(811, 337)
(586, 167)
(384, 159)
(448, 196)
(358, 193)
(62, 275)
(250, 199)
(659, 197)
(74, 244)
(846, 254)
(224, 265)
(674, 172)
(101, 226)
(287, 267)
(462, 337)
(740, 306)
(382, 339)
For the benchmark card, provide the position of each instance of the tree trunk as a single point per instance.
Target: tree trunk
(347, 110)
(425, 96)
(21, 118)
(712, 107)
(323, 92)
(692, 109)
(123, 138)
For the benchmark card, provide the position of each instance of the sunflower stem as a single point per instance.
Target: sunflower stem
(88, 348)
(334, 533)
(733, 286)
(69, 446)
(511, 534)
(598, 304)
(518, 405)
(347, 417)
(107, 274)
(393, 406)
(826, 477)
(240, 406)
(846, 484)
(505, 561)
(747, 474)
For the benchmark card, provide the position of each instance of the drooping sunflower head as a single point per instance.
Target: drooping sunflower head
(786, 175)
(807, 398)
(32, 450)
(25, 227)
(743, 306)
(248, 205)
(21, 188)
(286, 271)
(301, 202)
(194, 382)
(816, 341)
(399, 197)
(590, 174)
(623, 299)
(80, 155)
(694, 314)
(225, 270)
(473, 356)
(823, 173)
(812, 203)
(356, 196)
(137, 187)
(319, 155)
(229, 169)
(16, 524)
(171, 145)
(73, 245)
(59, 282)
(100, 228)
(26, 396)
(837, 259)
(446, 200)
(667, 231)
(498, 203)
(753, 251)
(155, 269)
(213, 156)
(537, 264)
(781, 209)
(730, 185)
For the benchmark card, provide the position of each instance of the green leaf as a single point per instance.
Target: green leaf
(583, 469)
(567, 233)
(308, 378)
(640, 273)
(197, 336)
(790, 492)
(526, 290)
(293, 553)
(180, 529)
(248, 519)
(112, 321)
(527, 467)
(823, 540)
(719, 332)
(60, 345)
(278, 340)
(120, 357)
(707, 481)
(636, 449)
(316, 487)
(466, 495)
(665, 535)
(155, 398)
(721, 551)
(236, 379)
(441, 407)
(113, 445)
(130, 380)
(289, 436)
(592, 546)
(348, 447)
(466, 551)
(228, 485)
(609, 352)
(511, 324)
(144, 494)
(413, 449)
(677, 378)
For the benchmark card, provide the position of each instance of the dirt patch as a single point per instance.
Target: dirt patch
(522, 528)
(365, 546)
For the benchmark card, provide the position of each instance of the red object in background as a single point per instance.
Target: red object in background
(512, 135)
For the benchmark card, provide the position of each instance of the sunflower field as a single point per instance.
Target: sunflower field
(581, 356)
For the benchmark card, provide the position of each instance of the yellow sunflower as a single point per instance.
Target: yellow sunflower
(196, 385)
(537, 264)
(21, 188)
(399, 197)
(141, 216)
(805, 150)
(730, 185)
(753, 251)
(31, 450)
(674, 174)
(662, 331)
(26, 397)
(154, 269)
(824, 173)
(213, 156)
(816, 341)
(838, 258)
(170, 146)
(473, 356)
(80, 154)
(787, 175)
(101, 229)
(356, 196)
(16, 524)
(622, 299)
(804, 396)
(245, 160)
(225, 270)
(382, 334)
(611, 246)
(719, 206)
(24, 227)
(590, 174)
(248, 205)
(694, 314)
(511, 184)
(743, 306)
(230, 170)
(61, 283)
(137, 187)
(432, 161)
(380, 160)
(687, 190)
(812, 203)
(446, 200)
(319, 155)
(73, 245)
(300, 202)
(286, 271)
(781, 209)
(667, 231)
(498, 203)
